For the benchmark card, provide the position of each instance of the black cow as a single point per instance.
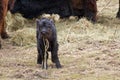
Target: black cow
(46, 30)
(34, 8)
(65, 8)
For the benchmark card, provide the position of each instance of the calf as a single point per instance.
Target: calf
(46, 30)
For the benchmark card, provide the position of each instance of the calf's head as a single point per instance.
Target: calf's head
(45, 28)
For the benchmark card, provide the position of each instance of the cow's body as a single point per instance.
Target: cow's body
(34, 8)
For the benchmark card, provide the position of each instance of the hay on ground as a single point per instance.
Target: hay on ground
(15, 22)
(24, 37)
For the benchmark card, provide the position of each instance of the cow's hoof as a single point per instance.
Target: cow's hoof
(4, 36)
(0, 46)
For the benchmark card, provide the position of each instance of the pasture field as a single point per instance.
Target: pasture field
(87, 51)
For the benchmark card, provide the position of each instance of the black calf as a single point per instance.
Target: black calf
(46, 30)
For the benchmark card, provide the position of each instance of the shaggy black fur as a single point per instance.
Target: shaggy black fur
(46, 29)
(34, 8)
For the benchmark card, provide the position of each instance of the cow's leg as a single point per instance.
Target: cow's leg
(118, 13)
(70, 6)
(2, 29)
(3, 32)
(90, 8)
(90, 15)
(0, 43)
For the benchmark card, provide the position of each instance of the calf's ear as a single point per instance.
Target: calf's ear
(37, 21)
(52, 21)
(37, 24)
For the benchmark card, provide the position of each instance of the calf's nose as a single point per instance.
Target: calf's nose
(43, 32)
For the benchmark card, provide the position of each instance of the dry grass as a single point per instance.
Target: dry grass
(87, 51)
(26, 36)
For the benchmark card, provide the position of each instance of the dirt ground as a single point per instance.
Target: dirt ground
(87, 51)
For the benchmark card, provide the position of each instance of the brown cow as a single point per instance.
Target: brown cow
(3, 11)
(86, 8)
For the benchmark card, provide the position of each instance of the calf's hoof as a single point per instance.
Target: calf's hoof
(58, 65)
